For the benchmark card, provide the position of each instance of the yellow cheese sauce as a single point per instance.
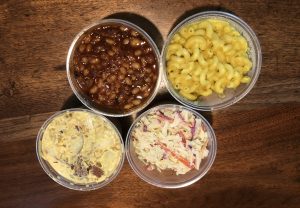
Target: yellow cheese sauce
(81, 147)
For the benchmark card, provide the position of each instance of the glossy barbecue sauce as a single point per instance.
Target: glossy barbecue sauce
(116, 67)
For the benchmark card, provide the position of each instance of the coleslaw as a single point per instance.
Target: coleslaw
(170, 139)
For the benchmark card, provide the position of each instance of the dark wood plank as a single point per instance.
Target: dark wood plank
(35, 37)
(257, 165)
(258, 159)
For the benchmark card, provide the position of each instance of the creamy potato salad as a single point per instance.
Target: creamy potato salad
(81, 147)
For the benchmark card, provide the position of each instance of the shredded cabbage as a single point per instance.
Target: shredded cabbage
(170, 139)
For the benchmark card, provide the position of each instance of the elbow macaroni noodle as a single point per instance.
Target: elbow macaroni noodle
(206, 57)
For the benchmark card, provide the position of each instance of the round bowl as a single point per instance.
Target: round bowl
(60, 179)
(168, 178)
(82, 96)
(214, 102)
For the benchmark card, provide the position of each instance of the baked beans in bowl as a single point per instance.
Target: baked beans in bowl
(113, 67)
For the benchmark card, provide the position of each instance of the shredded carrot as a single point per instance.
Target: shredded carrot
(178, 157)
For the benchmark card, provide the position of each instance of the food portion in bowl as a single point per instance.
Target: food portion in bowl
(207, 56)
(81, 147)
(115, 66)
(170, 138)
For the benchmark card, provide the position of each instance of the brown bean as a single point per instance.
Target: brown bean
(110, 41)
(89, 48)
(134, 33)
(98, 49)
(128, 81)
(122, 70)
(145, 88)
(87, 39)
(137, 52)
(94, 89)
(81, 48)
(148, 70)
(86, 72)
(121, 77)
(136, 65)
(89, 83)
(115, 49)
(84, 60)
(148, 80)
(123, 28)
(125, 41)
(112, 96)
(133, 77)
(126, 65)
(130, 71)
(135, 42)
(94, 60)
(136, 102)
(101, 98)
(128, 106)
(135, 90)
(111, 53)
(100, 83)
(81, 67)
(113, 77)
(117, 85)
(146, 94)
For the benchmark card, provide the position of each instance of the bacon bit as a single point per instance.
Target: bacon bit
(77, 127)
(98, 172)
(145, 128)
(78, 168)
(178, 157)
(164, 117)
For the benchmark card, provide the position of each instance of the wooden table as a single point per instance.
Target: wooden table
(258, 158)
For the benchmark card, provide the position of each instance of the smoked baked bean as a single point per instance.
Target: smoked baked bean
(115, 66)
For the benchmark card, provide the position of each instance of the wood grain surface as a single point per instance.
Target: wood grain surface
(258, 156)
